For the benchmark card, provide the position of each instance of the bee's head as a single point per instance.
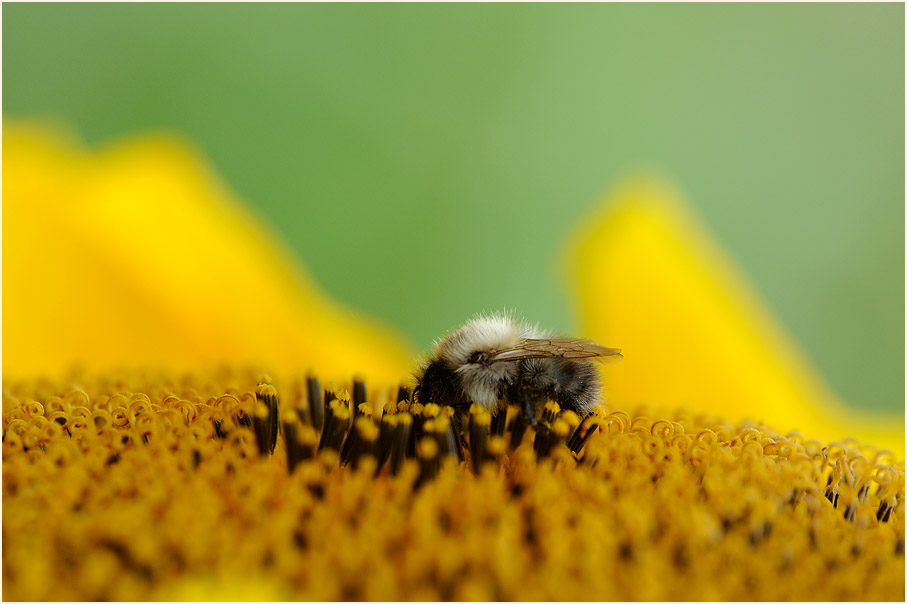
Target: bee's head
(484, 382)
(479, 357)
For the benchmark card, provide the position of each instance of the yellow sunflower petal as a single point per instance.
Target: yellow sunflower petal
(693, 332)
(137, 254)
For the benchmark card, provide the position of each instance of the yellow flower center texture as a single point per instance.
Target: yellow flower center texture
(230, 485)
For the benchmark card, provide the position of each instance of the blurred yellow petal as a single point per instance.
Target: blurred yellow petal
(693, 332)
(138, 255)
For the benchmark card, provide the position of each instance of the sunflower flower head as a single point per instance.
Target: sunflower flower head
(253, 480)
(156, 486)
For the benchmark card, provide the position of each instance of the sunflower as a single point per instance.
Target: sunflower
(227, 432)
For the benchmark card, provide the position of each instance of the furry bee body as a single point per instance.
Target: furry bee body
(496, 360)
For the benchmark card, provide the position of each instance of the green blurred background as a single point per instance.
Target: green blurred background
(429, 161)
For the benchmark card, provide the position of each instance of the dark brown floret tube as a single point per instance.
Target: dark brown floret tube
(581, 435)
(266, 418)
(400, 442)
(361, 441)
(316, 401)
(300, 443)
(499, 422)
(543, 439)
(386, 433)
(429, 456)
(479, 424)
(517, 428)
(359, 393)
(336, 424)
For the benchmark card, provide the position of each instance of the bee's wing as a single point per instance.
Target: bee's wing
(567, 348)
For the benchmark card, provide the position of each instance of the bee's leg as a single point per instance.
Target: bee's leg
(530, 409)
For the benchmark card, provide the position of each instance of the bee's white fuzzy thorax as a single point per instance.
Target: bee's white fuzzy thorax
(484, 333)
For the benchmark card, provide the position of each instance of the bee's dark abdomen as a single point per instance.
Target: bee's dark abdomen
(580, 387)
(571, 384)
(439, 385)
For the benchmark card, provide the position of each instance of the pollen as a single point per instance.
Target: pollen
(226, 484)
